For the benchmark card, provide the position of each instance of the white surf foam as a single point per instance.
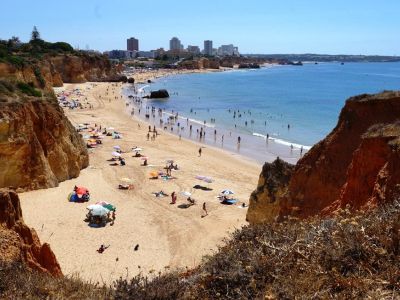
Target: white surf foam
(282, 142)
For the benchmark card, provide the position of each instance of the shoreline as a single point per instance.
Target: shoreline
(169, 236)
(263, 151)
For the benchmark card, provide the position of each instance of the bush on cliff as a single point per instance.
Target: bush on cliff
(344, 257)
(348, 256)
(28, 89)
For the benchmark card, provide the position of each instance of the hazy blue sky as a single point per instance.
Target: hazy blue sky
(255, 26)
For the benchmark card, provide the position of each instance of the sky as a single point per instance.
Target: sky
(369, 27)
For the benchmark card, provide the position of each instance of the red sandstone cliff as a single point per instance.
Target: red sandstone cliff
(39, 147)
(18, 242)
(355, 165)
(55, 70)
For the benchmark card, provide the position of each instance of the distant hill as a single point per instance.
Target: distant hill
(328, 57)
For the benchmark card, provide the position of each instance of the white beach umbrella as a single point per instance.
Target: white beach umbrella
(137, 149)
(227, 192)
(98, 210)
(116, 154)
(126, 180)
(187, 194)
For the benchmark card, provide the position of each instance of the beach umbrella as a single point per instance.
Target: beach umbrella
(153, 174)
(126, 180)
(116, 154)
(204, 178)
(110, 128)
(187, 194)
(117, 147)
(227, 192)
(80, 191)
(137, 149)
(208, 179)
(107, 205)
(98, 210)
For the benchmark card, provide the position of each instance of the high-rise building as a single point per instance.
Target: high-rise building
(132, 44)
(193, 49)
(228, 50)
(175, 44)
(208, 48)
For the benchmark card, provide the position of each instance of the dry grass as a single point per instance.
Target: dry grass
(16, 282)
(349, 256)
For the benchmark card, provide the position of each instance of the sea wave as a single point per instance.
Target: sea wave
(282, 142)
(190, 120)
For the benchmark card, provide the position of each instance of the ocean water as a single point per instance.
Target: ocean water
(293, 105)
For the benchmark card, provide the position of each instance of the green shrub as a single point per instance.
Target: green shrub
(39, 77)
(61, 46)
(28, 89)
(17, 61)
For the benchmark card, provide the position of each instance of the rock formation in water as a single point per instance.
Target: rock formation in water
(159, 94)
(18, 242)
(356, 165)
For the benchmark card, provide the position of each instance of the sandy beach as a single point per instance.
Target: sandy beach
(168, 236)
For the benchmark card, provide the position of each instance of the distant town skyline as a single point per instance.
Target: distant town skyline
(312, 26)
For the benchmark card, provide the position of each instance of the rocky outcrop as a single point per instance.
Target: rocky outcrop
(39, 147)
(78, 69)
(272, 185)
(159, 94)
(355, 165)
(18, 242)
(53, 71)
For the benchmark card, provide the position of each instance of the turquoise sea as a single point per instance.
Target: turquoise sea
(308, 98)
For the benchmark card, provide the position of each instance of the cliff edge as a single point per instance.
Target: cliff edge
(355, 166)
(39, 147)
(18, 242)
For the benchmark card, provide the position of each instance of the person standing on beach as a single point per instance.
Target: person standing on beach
(200, 152)
(239, 139)
(173, 198)
(205, 210)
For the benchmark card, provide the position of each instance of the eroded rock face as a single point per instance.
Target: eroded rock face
(20, 243)
(355, 165)
(63, 68)
(39, 147)
(265, 201)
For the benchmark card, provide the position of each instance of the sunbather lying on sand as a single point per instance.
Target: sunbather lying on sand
(191, 201)
(160, 194)
(125, 186)
(102, 248)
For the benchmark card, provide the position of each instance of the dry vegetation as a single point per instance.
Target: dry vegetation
(350, 256)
